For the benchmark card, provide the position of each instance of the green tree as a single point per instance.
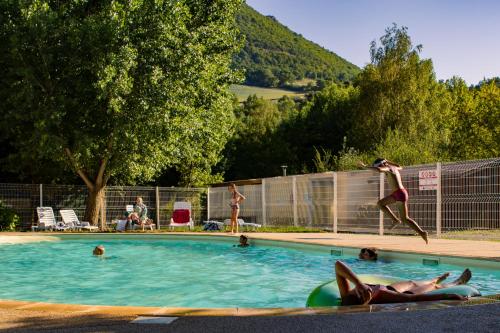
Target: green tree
(116, 90)
(400, 101)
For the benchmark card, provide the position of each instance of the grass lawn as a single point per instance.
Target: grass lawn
(242, 92)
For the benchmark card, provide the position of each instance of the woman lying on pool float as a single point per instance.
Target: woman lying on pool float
(399, 292)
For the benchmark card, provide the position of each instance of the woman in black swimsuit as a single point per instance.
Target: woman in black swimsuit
(399, 292)
(236, 198)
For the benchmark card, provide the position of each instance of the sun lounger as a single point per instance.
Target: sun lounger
(243, 224)
(69, 218)
(47, 220)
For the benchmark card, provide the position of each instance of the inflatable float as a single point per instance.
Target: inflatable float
(328, 294)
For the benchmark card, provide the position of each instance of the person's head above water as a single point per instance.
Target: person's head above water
(379, 162)
(243, 240)
(98, 250)
(368, 253)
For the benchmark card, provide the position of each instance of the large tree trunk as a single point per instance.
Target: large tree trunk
(94, 203)
(96, 187)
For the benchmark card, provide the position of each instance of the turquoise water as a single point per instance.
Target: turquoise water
(186, 273)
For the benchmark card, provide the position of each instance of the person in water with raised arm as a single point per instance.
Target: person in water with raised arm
(399, 196)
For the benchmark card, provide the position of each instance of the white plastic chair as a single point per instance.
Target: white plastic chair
(180, 206)
(69, 218)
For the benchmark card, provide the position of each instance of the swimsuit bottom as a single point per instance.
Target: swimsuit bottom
(400, 195)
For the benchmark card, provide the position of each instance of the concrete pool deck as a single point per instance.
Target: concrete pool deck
(17, 314)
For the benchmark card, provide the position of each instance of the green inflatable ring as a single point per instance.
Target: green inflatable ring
(328, 294)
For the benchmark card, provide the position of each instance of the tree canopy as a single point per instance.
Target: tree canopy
(117, 90)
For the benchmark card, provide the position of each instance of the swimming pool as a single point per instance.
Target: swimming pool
(183, 271)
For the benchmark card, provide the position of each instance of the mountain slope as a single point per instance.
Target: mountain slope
(273, 55)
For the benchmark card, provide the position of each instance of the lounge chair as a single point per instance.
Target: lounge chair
(47, 220)
(69, 218)
(243, 224)
(181, 216)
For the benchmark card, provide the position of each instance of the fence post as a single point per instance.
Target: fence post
(41, 195)
(157, 197)
(381, 213)
(294, 200)
(335, 211)
(438, 200)
(208, 203)
(103, 211)
(263, 189)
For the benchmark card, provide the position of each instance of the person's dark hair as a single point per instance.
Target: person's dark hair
(372, 252)
(243, 238)
(378, 161)
(351, 299)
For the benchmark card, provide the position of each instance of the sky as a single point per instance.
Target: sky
(462, 37)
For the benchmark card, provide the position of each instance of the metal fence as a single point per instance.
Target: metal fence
(443, 197)
(24, 199)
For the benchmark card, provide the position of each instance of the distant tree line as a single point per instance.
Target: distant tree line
(395, 108)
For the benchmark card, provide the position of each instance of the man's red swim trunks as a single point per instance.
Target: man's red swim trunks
(400, 195)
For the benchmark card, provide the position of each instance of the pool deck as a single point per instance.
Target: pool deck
(19, 314)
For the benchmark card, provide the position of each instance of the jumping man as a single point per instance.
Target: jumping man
(399, 195)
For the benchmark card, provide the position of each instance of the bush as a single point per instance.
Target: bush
(9, 220)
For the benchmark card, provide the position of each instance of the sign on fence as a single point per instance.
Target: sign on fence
(427, 180)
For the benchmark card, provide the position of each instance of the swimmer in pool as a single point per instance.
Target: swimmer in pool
(368, 253)
(243, 242)
(399, 292)
(399, 195)
(99, 250)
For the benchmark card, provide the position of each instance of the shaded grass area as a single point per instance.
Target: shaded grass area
(480, 235)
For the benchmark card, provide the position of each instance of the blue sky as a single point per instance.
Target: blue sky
(462, 37)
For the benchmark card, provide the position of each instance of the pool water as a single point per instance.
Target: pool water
(187, 273)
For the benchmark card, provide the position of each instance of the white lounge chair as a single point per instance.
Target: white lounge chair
(47, 220)
(243, 224)
(69, 218)
(181, 216)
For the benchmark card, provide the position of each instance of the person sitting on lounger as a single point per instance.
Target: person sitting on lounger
(399, 292)
(140, 213)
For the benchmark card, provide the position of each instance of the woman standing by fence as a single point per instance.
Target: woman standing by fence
(236, 198)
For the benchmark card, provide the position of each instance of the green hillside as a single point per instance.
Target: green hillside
(275, 56)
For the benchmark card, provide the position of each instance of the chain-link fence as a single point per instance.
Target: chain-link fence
(24, 199)
(443, 197)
